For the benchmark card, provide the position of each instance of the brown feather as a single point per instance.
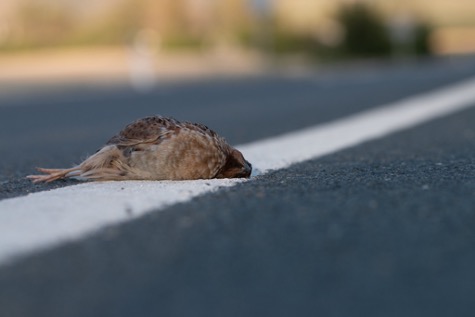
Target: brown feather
(158, 148)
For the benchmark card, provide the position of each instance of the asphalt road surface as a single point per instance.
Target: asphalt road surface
(381, 229)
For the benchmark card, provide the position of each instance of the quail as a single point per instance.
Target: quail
(158, 148)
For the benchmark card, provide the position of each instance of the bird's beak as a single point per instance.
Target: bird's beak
(247, 168)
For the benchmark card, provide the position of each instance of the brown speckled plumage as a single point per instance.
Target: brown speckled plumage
(158, 148)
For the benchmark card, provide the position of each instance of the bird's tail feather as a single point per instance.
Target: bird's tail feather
(50, 174)
(107, 164)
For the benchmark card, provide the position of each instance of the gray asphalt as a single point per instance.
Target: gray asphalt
(381, 229)
(60, 128)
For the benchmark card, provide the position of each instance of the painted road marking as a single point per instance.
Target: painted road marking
(47, 219)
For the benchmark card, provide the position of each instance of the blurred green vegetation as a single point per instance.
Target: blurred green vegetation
(365, 32)
(360, 30)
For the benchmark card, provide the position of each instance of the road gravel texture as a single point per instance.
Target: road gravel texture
(59, 128)
(381, 229)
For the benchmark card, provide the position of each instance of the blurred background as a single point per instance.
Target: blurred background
(142, 40)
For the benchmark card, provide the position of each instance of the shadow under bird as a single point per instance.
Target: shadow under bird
(158, 148)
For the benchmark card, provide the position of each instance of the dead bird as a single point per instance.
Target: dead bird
(158, 148)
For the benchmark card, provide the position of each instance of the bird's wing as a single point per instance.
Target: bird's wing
(149, 130)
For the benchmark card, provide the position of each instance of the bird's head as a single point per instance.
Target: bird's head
(235, 166)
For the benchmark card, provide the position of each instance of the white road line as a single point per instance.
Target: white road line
(47, 219)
